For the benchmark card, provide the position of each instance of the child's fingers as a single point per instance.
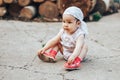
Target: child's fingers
(69, 61)
(39, 51)
(42, 51)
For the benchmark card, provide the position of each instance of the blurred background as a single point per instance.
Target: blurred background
(51, 10)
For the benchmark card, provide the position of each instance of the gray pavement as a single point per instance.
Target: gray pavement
(20, 41)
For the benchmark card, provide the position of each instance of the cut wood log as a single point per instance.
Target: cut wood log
(60, 6)
(38, 1)
(107, 4)
(48, 10)
(3, 11)
(93, 3)
(100, 6)
(28, 12)
(84, 5)
(113, 8)
(24, 2)
(8, 1)
(51, 20)
(14, 9)
(103, 6)
(1, 2)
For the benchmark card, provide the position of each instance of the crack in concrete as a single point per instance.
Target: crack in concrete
(60, 74)
(12, 23)
(96, 41)
(31, 63)
(2, 78)
(26, 68)
(101, 44)
(69, 79)
(63, 75)
(35, 38)
(116, 56)
(13, 67)
(27, 33)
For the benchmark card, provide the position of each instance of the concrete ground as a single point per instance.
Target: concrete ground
(20, 41)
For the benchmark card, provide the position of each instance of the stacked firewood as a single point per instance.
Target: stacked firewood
(101, 8)
(49, 10)
(45, 9)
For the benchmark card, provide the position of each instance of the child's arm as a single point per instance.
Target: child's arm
(51, 43)
(77, 50)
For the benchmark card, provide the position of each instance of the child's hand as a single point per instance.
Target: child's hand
(41, 51)
(70, 59)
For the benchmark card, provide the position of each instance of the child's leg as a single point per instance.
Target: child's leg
(60, 48)
(50, 56)
(77, 61)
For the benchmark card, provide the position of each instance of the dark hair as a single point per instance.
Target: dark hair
(77, 19)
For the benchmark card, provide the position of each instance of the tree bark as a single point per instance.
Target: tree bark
(2, 11)
(93, 3)
(1, 2)
(8, 1)
(84, 5)
(24, 2)
(48, 10)
(28, 12)
(100, 6)
(39, 1)
(14, 9)
(60, 6)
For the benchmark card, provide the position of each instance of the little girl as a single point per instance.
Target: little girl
(70, 40)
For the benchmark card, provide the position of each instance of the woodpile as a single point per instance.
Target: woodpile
(8, 1)
(2, 11)
(49, 10)
(1, 2)
(102, 7)
(14, 9)
(24, 2)
(28, 12)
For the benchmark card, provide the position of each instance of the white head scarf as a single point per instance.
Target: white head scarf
(77, 13)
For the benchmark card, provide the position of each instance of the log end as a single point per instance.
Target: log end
(3, 11)
(27, 12)
(48, 10)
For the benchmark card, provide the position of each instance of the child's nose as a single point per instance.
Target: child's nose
(65, 25)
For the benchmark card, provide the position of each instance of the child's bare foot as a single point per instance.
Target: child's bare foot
(48, 57)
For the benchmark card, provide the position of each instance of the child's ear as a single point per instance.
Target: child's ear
(78, 22)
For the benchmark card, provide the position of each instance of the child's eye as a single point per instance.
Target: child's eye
(69, 22)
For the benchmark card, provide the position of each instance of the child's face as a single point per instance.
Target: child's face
(70, 24)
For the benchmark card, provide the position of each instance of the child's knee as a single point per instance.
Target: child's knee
(85, 46)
